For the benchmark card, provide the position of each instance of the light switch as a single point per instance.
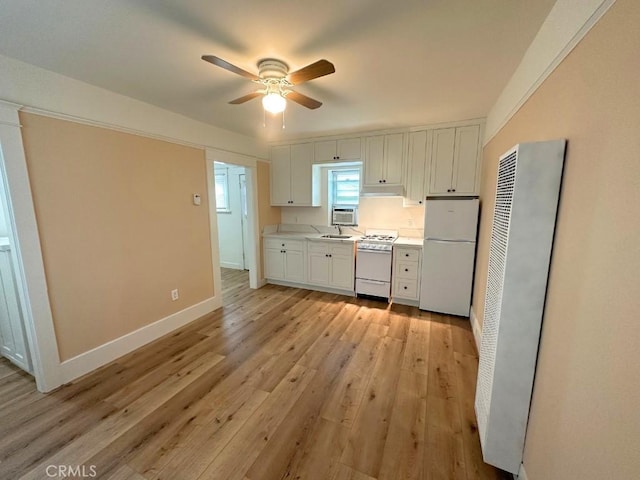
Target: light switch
(196, 199)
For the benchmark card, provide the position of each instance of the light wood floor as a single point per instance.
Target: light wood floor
(280, 383)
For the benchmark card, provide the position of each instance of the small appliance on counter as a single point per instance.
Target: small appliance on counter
(373, 263)
(448, 255)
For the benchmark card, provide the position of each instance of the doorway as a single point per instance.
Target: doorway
(232, 213)
(234, 223)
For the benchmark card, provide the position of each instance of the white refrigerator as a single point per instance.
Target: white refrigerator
(449, 248)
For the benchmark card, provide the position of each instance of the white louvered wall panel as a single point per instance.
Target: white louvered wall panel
(495, 282)
(526, 202)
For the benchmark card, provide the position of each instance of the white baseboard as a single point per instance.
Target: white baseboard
(262, 282)
(522, 474)
(87, 362)
(475, 327)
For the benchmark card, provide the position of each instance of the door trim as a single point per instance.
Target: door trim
(253, 230)
(30, 274)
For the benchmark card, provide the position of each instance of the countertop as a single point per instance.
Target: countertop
(408, 242)
(310, 236)
(415, 242)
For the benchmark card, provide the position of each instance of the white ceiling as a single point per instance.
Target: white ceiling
(398, 63)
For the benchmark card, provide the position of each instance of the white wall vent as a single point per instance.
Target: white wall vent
(526, 203)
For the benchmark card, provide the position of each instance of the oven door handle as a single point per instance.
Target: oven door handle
(366, 250)
(374, 282)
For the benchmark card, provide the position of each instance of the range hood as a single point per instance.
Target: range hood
(382, 191)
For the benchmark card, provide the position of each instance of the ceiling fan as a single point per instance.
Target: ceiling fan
(275, 79)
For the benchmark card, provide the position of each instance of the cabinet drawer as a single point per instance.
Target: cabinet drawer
(341, 248)
(406, 270)
(372, 287)
(406, 289)
(330, 247)
(284, 243)
(407, 254)
(317, 247)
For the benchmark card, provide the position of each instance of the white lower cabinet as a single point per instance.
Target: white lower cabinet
(406, 274)
(331, 264)
(284, 259)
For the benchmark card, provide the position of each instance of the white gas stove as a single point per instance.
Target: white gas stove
(373, 263)
(378, 240)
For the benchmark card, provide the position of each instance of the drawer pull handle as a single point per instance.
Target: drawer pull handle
(406, 254)
(406, 269)
(405, 287)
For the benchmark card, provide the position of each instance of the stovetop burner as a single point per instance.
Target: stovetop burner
(388, 238)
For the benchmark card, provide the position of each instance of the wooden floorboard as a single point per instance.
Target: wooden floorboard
(279, 383)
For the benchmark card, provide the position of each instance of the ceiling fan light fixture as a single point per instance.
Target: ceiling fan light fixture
(274, 103)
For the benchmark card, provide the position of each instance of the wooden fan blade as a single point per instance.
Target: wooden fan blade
(304, 100)
(245, 98)
(228, 66)
(315, 70)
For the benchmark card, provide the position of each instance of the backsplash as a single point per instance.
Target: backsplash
(373, 212)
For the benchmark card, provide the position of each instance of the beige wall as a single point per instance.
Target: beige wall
(118, 228)
(267, 215)
(585, 415)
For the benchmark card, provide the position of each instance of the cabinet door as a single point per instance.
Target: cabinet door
(465, 163)
(325, 151)
(301, 174)
(393, 159)
(374, 160)
(442, 160)
(342, 275)
(294, 266)
(273, 264)
(318, 268)
(280, 175)
(349, 149)
(417, 166)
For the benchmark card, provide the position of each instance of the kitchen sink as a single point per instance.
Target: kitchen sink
(336, 236)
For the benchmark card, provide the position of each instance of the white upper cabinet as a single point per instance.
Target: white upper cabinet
(466, 164)
(384, 159)
(455, 161)
(301, 174)
(292, 181)
(345, 149)
(417, 167)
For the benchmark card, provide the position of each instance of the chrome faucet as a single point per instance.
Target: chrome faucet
(339, 229)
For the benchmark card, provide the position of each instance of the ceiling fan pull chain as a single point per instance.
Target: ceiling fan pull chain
(264, 118)
(283, 125)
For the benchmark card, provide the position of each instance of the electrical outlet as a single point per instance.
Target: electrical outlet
(174, 295)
